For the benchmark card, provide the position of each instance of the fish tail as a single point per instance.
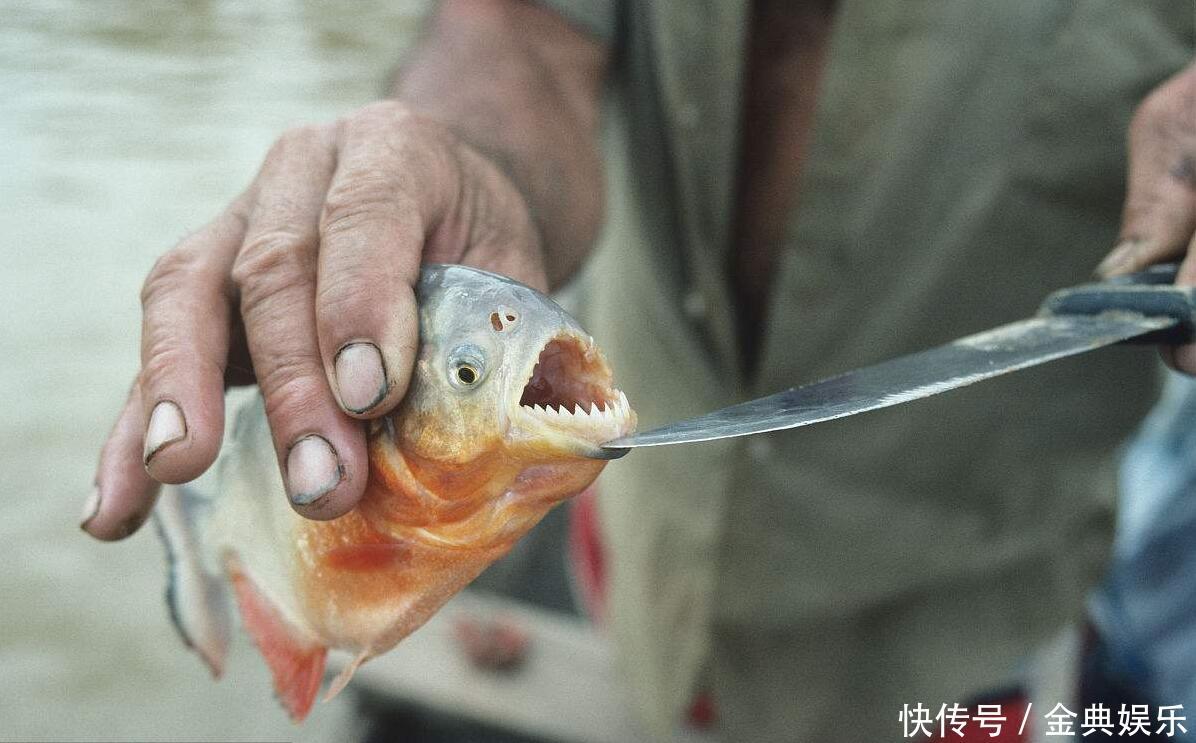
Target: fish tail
(197, 600)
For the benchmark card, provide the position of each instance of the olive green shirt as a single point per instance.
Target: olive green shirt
(968, 157)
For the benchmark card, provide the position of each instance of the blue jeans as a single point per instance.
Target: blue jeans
(1146, 607)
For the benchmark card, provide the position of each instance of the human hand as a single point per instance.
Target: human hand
(305, 286)
(1159, 219)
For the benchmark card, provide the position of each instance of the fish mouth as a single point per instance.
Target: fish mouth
(569, 398)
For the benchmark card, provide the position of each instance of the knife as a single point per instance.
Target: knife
(1141, 308)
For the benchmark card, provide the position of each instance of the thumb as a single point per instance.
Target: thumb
(1159, 216)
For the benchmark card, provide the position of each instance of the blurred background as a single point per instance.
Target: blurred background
(124, 125)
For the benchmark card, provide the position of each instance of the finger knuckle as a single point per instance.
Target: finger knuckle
(292, 386)
(171, 270)
(270, 262)
(405, 161)
(338, 298)
(401, 137)
(364, 198)
(351, 293)
(389, 113)
(282, 218)
(165, 356)
(298, 139)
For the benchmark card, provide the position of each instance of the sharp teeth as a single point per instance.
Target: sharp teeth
(611, 410)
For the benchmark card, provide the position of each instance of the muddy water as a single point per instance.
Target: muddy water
(123, 125)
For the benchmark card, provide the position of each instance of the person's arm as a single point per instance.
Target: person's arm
(485, 156)
(1159, 218)
(534, 112)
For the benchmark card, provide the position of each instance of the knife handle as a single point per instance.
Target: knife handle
(1159, 273)
(1151, 292)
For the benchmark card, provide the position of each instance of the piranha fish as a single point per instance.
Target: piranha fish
(508, 403)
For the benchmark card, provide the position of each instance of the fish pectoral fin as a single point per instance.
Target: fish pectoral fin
(342, 679)
(296, 661)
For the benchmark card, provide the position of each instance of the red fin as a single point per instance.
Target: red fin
(297, 663)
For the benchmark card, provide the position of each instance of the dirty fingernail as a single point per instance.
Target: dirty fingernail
(360, 376)
(1120, 260)
(130, 525)
(312, 470)
(166, 426)
(91, 506)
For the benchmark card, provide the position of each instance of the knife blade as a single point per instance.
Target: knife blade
(1143, 307)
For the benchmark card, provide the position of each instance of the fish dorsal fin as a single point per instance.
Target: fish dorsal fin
(296, 661)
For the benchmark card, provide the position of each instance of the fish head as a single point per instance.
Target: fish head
(507, 387)
(508, 404)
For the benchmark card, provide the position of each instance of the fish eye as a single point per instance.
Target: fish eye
(466, 374)
(466, 366)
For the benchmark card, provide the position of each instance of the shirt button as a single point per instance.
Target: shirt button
(694, 305)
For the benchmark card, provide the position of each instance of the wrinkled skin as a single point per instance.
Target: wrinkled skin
(508, 402)
(1158, 221)
(486, 156)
